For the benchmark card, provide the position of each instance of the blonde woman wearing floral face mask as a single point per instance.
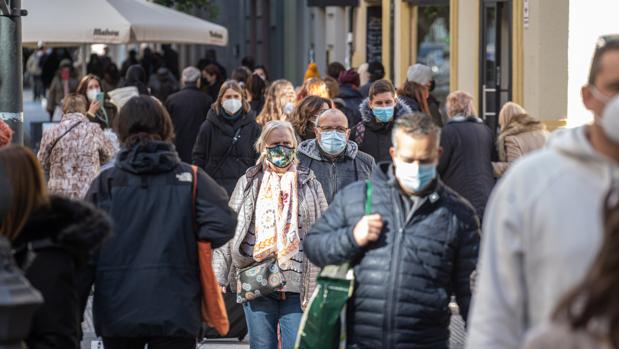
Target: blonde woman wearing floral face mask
(277, 202)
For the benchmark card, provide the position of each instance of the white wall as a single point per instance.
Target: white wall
(588, 19)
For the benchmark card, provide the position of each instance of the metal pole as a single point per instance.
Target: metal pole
(11, 68)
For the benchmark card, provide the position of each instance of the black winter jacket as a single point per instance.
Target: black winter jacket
(147, 282)
(403, 281)
(214, 152)
(188, 109)
(351, 96)
(433, 104)
(62, 236)
(466, 164)
(374, 137)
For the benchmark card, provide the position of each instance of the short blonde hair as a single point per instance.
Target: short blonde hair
(267, 129)
(508, 111)
(74, 103)
(460, 103)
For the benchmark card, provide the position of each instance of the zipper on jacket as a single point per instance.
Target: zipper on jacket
(395, 268)
(334, 178)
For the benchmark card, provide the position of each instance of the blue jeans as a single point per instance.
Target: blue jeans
(265, 313)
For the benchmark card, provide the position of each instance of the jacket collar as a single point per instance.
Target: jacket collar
(74, 117)
(148, 158)
(369, 120)
(310, 148)
(304, 174)
(464, 118)
(218, 120)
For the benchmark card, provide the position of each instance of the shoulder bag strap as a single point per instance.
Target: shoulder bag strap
(194, 196)
(368, 197)
(235, 139)
(49, 152)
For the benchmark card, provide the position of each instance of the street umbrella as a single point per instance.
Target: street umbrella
(114, 22)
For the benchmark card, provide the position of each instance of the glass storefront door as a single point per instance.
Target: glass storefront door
(495, 55)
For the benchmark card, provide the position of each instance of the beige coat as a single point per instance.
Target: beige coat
(522, 136)
(554, 335)
(229, 258)
(76, 159)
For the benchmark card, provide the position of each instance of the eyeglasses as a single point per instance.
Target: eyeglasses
(330, 128)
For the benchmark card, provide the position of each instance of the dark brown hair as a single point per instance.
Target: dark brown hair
(381, 86)
(597, 297)
(303, 115)
(255, 86)
(143, 119)
(604, 44)
(334, 69)
(212, 69)
(414, 90)
(74, 103)
(27, 185)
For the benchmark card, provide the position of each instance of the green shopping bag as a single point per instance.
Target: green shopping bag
(323, 325)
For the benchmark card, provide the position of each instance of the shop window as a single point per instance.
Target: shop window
(433, 45)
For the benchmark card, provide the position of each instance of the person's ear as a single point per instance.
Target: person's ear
(348, 134)
(440, 153)
(587, 97)
(392, 152)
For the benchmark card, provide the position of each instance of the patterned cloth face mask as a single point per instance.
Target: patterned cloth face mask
(280, 155)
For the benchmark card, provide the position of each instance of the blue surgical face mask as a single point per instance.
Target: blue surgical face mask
(414, 177)
(333, 142)
(383, 114)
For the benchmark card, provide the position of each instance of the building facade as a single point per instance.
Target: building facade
(533, 52)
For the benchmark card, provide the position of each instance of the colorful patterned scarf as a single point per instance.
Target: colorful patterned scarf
(277, 215)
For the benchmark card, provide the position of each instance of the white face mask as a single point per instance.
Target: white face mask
(92, 94)
(610, 120)
(288, 108)
(231, 106)
(414, 177)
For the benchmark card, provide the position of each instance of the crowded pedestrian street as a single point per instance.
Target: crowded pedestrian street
(309, 174)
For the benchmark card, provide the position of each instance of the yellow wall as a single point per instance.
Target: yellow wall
(386, 55)
(545, 65)
(360, 29)
(467, 72)
(404, 24)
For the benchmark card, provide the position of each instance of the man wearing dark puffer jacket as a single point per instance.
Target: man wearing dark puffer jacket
(417, 249)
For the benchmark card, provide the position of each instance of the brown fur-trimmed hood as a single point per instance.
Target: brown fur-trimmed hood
(522, 123)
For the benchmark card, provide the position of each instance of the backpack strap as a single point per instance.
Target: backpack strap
(194, 196)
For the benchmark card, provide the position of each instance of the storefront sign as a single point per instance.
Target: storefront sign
(323, 3)
(526, 14)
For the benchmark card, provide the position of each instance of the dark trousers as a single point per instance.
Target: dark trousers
(153, 343)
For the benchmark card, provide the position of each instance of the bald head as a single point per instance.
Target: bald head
(332, 116)
(332, 120)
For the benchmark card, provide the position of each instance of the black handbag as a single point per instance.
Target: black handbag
(259, 280)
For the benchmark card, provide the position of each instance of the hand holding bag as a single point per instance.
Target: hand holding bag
(214, 312)
(324, 322)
